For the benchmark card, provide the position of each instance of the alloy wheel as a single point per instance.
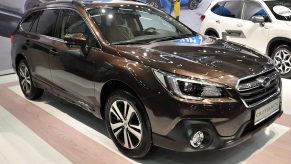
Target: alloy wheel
(125, 124)
(25, 78)
(282, 60)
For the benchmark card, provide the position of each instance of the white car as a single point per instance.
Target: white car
(264, 25)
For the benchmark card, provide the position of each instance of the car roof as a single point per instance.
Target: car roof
(88, 3)
(83, 4)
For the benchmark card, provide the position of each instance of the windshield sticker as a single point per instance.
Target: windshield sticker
(282, 10)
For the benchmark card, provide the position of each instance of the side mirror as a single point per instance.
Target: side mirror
(75, 39)
(258, 19)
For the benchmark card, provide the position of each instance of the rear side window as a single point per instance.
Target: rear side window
(254, 9)
(217, 9)
(232, 9)
(27, 22)
(47, 21)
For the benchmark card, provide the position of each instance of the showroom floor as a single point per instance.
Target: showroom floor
(53, 131)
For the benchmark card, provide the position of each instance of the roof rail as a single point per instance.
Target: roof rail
(44, 3)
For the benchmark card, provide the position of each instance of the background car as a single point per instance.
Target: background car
(262, 25)
(167, 5)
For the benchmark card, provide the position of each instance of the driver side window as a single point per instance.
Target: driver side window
(72, 23)
(254, 9)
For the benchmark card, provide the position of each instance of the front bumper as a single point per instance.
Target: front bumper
(179, 138)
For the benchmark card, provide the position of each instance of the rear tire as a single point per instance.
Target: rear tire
(127, 124)
(282, 59)
(26, 83)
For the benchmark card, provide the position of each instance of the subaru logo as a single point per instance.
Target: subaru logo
(265, 81)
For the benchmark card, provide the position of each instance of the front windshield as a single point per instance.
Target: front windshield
(280, 8)
(136, 24)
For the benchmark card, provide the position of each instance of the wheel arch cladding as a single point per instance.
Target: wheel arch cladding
(275, 42)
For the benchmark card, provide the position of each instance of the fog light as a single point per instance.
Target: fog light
(197, 139)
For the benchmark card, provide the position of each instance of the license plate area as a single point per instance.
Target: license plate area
(266, 111)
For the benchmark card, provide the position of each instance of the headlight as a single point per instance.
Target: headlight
(190, 88)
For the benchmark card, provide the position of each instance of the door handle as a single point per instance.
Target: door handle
(54, 52)
(218, 21)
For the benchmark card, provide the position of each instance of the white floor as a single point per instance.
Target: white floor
(20, 145)
(239, 154)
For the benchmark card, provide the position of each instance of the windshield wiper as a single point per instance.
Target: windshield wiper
(171, 38)
(130, 42)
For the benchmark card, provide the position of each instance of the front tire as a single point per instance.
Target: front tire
(282, 59)
(128, 124)
(25, 80)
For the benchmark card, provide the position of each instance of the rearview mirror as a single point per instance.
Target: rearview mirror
(258, 19)
(75, 39)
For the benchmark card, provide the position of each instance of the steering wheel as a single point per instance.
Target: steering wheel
(150, 30)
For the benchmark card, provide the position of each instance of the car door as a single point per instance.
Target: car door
(72, 69)
(39, 42)
(230, 20)
(256, 34)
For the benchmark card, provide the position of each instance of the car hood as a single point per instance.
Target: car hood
(199, 57)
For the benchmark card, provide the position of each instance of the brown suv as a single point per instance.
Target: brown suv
(152, 79)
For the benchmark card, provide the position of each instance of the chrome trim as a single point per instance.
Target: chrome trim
(271, 76)
(259, 102)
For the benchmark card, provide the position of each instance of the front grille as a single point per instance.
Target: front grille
(258, 89)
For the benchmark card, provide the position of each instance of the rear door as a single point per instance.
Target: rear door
(39, 43)
(230, 21)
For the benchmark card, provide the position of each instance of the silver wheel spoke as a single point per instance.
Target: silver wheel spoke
(24, 86)
(130, 141)
(26, 71)
(125, 138)
(27, 87)
(117, 132)
(21, 72)
(28, 82)
(115, 107)
(129, 113)
(22, 82)
(135, 126)
(135, 133)
(116, 125)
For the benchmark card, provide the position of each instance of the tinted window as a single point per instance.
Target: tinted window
(217, 9)
(47, 21)
(232, 9)
(72, 23)
(26, 24)
(253, 9)
(35, 23)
